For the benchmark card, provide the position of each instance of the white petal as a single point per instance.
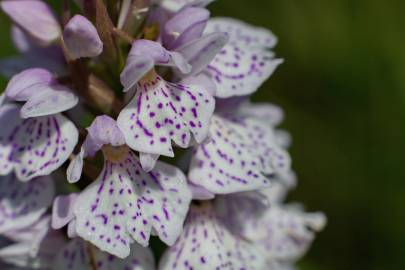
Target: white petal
(161, 112)
(51, 101)
(38, 145)
(246, 61)
(238, 157)
(124, 203)
(22, 204)
(76, 256)
(206, 244)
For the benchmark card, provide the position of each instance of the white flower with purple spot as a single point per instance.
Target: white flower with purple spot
(207, 244)
(245, 62)
(161, 112)
(125, 203)
(240, 155)
(36, 139)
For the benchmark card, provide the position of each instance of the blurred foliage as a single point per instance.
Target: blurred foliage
(343, 91)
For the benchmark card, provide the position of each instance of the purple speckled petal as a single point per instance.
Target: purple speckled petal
(239, 156)
(206, 244)
(34, 146)
(161, 112)
(75, 256)
(125, 203)
(81, 38)
(185, 26)
(22, 204)
(177, 5)
(200, 52)
(246, 61)
(62, 210)
(51, 100)
(35, 17)
(284, 233)
(27, 83)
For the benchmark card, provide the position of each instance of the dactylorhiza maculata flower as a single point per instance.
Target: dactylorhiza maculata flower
(127, 130)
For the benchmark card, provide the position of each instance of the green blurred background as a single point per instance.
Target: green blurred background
(343, 91)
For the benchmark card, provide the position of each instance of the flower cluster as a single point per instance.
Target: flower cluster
(128, 125)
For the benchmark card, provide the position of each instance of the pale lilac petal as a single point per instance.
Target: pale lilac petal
(35, 17)
(152, 49)
(81, 38)
(104, 130)
(125, 203)
(22, 204)
(62, 210)
(239, 156)
(135, 68)
(246, 61)
(35, 146)
(200, 52)
(30, 82)
(185, 26)
(203, 81)
(161, 112)
(176, 5)
(75, 256)
(49, 101)
(206, 244)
